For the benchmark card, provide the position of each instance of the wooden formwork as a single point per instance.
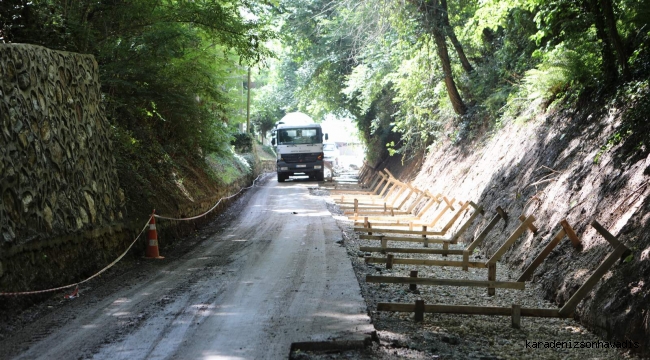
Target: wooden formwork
(501, 214)
(383, 202)
(374, 184)
(491, 284)
(369, 228)
(516, 311)
(406, 216)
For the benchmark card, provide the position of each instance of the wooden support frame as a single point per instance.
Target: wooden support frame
(528, 272)
(402, 218)
(376, 183)
(464, 252)
(516, 311)
(424, 234)
(374, 194)
(374, 203)
(619, 249)
(490, 264)
(431, 224)
(445, 282)
(424, 262)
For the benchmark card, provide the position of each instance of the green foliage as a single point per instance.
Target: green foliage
(165, 66)
(226, 169)
(173, 71)
(243, 142)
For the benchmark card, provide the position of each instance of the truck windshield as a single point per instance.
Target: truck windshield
(298, 136)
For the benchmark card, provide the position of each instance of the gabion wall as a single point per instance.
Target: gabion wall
(57, 171)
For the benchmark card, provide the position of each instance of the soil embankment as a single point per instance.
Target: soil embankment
(582, 165)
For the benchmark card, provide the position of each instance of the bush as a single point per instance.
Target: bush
(243, 142)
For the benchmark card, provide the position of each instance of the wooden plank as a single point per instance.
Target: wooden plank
(445, 282)
(399, 231)
(525, 276)
(442, 212)
(404, 239)
(511, 240)
(477, 211)
(406, 198)
(410, 251)
(479, 239)
(399, 221)
(425, 262)
(469, 310)
(427, 206)
(575, 240)
(415, 202)
(453, 219)
(586, 287)
(606, 234)
(390, 259)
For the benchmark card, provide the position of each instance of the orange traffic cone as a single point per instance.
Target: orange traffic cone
(152, 242)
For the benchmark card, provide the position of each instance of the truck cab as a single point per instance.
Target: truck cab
(300, 150)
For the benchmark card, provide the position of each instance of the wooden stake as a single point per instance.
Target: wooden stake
(492, 276)
(414, 274)
(419, 310)
(575, 240)
(465, 260)
(389, 261)
(516, 316)
(424, 237)
(606, 234)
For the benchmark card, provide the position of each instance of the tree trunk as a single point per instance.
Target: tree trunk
(610, 22)
(609, 63)
(452, 90)
(434, 20)
(449, 31)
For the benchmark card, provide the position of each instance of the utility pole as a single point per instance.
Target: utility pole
(248, 104)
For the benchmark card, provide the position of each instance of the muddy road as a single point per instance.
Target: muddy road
(268, 274)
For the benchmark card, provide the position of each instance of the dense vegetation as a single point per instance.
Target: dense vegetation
(414, 71)
(173, 76)
(410, 72)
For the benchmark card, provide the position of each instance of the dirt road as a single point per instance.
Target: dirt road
(272, 275)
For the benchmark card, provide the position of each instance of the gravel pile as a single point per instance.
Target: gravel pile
(448, 336)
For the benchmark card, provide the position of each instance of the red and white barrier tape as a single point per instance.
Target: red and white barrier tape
(83, 281)
(212, 208)
(124, 253)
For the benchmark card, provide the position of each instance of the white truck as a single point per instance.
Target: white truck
(299, 146)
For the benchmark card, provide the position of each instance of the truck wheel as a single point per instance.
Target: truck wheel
(320, 176)
(281, 177)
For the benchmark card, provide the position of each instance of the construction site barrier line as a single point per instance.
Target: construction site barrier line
(146, 226)
(212, 208)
